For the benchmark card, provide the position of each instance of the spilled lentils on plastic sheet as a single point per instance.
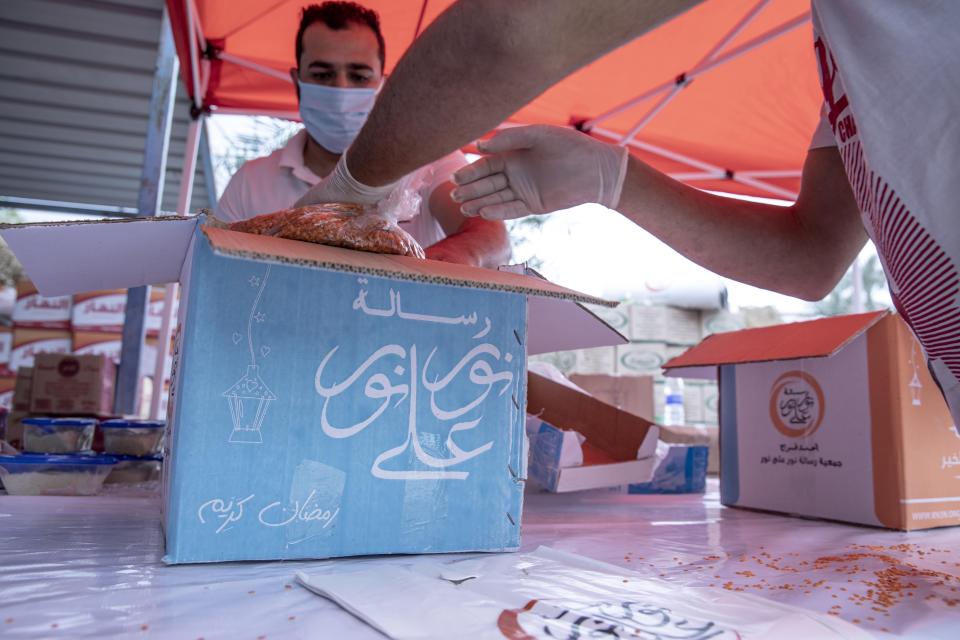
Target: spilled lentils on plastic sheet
(878, 578)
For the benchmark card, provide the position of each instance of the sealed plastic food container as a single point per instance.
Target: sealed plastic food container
(54, 475)
(135, 470)
(58, 435)
(132, 437)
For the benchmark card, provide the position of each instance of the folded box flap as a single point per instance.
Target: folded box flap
(72, 257)
(247, 245)
(557, 321)
(810, 339)
(617, 432)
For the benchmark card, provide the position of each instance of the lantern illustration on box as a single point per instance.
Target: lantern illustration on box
(915, 385)
(250, 397)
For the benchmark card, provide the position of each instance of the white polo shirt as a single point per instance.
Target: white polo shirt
(276, 181)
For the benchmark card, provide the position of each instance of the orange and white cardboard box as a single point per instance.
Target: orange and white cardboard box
(641, 359)
(99, 310)
(155, 309)
(97, 343)
(28, 342)
(598, 360)
(34, 310)
(73, 385)
(835, 418)
(8, 383)
(658, 323)
(6, 346)
(618, 448)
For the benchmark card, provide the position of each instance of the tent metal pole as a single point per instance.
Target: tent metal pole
(206, 165)
(202, 42)
(157, 142)
(703, 166)
(190, 149)
(759, 41)
(194, 56)
(172, 288)
(766, 186)
(254, 66)
(782, 173)
(693, 73)
(682, 83)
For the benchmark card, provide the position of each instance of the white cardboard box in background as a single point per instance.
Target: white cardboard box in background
(664, 324)
(720, 321)
(641, 358)
(599, 360)
(616, 317)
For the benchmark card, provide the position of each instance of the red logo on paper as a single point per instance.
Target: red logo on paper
(68, 367)
(796, 404)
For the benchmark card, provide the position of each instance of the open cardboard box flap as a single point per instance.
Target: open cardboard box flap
(618, 433)
(65, 258)
(809, 339)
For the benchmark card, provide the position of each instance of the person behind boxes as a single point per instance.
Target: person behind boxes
(881, 164)
(340, 58)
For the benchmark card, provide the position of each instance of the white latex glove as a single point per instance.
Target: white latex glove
(539, 169)
(340, 186)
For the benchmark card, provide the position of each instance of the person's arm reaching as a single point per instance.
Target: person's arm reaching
(478, 63)
(470, 240)
(802, 250)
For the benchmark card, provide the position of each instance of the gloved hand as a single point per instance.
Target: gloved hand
(340, 186)
(539, 169)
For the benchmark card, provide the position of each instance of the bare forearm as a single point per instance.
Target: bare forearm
(480, 62)
(482, 243)
(777, 248)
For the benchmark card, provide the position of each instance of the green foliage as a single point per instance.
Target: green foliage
(840, 300)
(523, 233)
(262, 137)
(10, 268)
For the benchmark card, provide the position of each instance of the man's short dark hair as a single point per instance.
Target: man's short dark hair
(337, 15)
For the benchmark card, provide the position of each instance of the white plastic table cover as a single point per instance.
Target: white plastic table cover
(90, 568)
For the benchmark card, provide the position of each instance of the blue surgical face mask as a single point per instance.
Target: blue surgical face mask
(334, 116)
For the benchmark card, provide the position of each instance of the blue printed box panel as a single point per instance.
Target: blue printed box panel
(683, 470)
(321, 413)
(546, 445)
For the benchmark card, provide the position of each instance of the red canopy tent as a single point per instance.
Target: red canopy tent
(724, 97)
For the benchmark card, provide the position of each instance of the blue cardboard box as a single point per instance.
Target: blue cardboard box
(682, 470)
(328, 402)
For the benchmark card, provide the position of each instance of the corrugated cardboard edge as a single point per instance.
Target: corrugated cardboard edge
(678, 364)
(220, 241)
(74, 223)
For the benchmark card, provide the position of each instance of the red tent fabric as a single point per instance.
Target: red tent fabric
(724, 97)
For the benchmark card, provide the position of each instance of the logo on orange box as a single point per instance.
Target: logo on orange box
(796, 404)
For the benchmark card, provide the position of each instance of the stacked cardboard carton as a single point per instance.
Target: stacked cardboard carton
(89, 323)
(657, 334)
(40, 325)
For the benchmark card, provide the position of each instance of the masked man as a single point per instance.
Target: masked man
(340, 60)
